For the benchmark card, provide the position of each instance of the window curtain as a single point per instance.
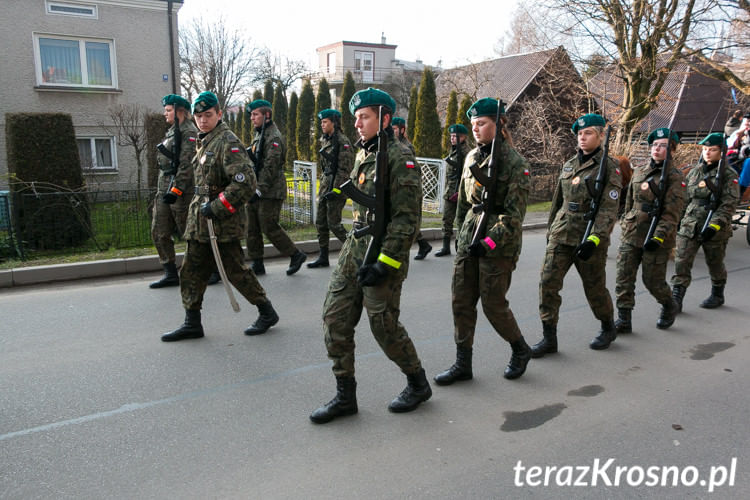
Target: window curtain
(97, 60)
(61, 61)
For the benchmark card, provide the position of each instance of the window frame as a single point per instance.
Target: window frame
(72, 4)
(94, 168)
(82, 56)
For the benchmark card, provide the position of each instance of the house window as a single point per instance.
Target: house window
(363, 65)
(67, 61)
(331, 63)
(96, 153)
(72, 9)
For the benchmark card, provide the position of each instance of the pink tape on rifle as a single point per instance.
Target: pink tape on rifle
(490, 243)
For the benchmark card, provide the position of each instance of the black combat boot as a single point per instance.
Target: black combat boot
(343, 403)
(678, 293)
(258, 267)
(518, 360)
(461, 369)
(424, 249)
(190, 329)
(266, 320)
(446, 250)
(606, 336)
(548, 345)
(322, 260)
(623, 323)
(668, 314)
(416, 391)
(295, 262)
(170, 278)
(214, 278)
(716, 298)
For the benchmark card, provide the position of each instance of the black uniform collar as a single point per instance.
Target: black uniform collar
(583, 158)
(269, 122)
(372, 144)
(202, 135)
(707, 167)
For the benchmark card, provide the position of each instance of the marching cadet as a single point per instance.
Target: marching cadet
(268, 154)
(376, 287)
(175, 188)
(653, 254)
(483, 269)
(399, 131)
(715, 237)
(565, 230)
(455, 164)
(337, 160)
(224, 181)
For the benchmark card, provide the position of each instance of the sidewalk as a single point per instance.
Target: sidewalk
(150, 263)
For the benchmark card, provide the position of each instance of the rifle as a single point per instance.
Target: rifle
(378, 205)
(660, 192)
(333, 161)
(488, 182)
(596, 190)
(715, 187)
(174, 154)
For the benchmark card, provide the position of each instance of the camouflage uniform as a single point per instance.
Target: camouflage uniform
(345, 297)
(329, 210)
(489, 277)
(169, 220)
(406, 142)
(565, 229)
(264, 214)
(688, 236)
(452, 175)
(635, 225)
(221, 166)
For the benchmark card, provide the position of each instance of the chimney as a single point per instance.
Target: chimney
(382, 38)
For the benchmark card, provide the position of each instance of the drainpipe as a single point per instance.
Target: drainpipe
(170, 29)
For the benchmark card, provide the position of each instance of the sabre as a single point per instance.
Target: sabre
(220, 266)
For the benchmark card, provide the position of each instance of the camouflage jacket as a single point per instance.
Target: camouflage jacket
(453, 172)
(698, 199)
(639, 199)
(345, 161)
(183, 179)
(271, 179)
(223, 176)
(566, 224)
(512, 191)
(405, 193)
(403, 140)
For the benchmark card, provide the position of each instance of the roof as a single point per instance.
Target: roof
(506, 77)
(691, 102)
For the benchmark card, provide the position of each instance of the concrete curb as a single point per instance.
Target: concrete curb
(23, 276)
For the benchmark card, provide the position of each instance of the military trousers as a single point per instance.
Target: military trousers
(449, 217)
(199, 264)
(166, 222)
(328, 219)
(341, 313)
(487, 279)
(687, 248)
(557, 261)
(653, 274)
(263, 219)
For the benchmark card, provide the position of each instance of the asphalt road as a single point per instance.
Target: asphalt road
(93, 405)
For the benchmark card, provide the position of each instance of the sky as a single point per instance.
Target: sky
(452, 33)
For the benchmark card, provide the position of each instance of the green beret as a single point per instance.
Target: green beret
(714, 139)
(589, 120)
(371, 97)
(205, 101)
(398, 122)
(329, 113)
(662, 133)
(175, 100)
(458, 129)
(258, 103)
(487, 106)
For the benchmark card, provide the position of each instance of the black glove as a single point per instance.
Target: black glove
(372, 274)
(710, 232)
(652, 244)
(585, 250)
(477, 249)
(206, 210)
(169, 198)
(331, 195)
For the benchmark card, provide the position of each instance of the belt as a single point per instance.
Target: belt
(703, 202)
(647, 207)
(206, 190)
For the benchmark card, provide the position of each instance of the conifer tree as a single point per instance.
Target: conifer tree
(450, 118)
(427, 133)
(347, 120)
(248, 131)
(280, 109)
(257, 95)
(322, 101)
(305, 109)
(291, 129)
(268, 91)
(411, 118)
(239, 122)
(231, 121)
(463, 119)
